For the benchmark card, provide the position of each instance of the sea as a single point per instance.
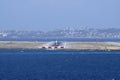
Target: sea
(35, 64)
(19, 64)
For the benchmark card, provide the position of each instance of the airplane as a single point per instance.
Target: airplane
(53, 45)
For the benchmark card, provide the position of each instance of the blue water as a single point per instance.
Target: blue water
(59, 65)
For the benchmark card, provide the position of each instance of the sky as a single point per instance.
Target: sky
(58, 14)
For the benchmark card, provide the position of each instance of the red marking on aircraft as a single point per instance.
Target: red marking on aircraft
(43, 46)
(49, 47)
(61, 47)
(56, 47)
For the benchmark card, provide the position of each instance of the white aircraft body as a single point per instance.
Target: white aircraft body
(54, 45)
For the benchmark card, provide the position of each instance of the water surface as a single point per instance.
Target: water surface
(59, 65)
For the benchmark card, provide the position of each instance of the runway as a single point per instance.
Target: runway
(68, 45)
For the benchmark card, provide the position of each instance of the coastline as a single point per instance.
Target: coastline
(70, 45)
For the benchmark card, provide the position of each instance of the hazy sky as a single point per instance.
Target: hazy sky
(53, 14)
